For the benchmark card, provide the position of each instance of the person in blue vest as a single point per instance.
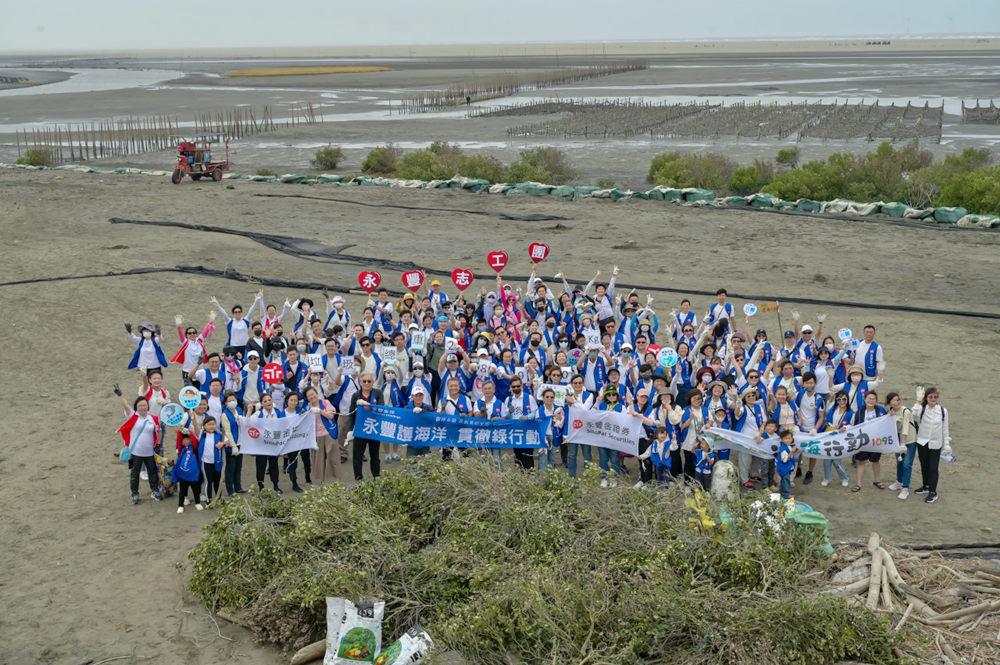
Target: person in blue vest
(607, 458)
(148, 353)
(453, 402)
(212, 369)
(233, 472)
(685, 320)
(554, 434)
(748, 418)
(856, 387)
(704, 459)
(869, 356)
(812, 414)
(721, 309)
(521, 406)
(839, 417)
(267, 463)
(237, 326)
(210, 444)
(417, 403)
(187, 474)
(786, 460)
(250, 385)
(593, 368)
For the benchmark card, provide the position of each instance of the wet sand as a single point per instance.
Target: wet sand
(88, 575)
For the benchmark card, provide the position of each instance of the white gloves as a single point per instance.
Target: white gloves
(295, 305)
(649, 300)
(417, 409)
(212, 315)
(812, 432)
(920, 393)
(288, 304)
(363, 402)
(349, 438)
(615, 271)
(795, 315)
(314, 409)
(946, 449)
(821, 317)
(178, 320)
(236, 450)
(213, 300)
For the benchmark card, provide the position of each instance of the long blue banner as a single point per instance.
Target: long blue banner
(427, 429)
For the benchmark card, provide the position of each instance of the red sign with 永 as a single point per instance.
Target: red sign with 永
(369, 280)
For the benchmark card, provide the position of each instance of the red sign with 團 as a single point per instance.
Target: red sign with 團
(538, 251)
(369, 280)
(497, 260)
(462, 278)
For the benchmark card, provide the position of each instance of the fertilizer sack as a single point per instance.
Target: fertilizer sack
(410, 649)
(353, 632)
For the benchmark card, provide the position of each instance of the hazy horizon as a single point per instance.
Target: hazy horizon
(59, 26)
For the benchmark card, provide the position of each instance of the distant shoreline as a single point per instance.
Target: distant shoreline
(827, 45)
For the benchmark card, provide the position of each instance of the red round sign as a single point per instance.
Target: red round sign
(462, 278)
(369, 280)
(497, 260)
(653, 348)
(273, 373)
(577, 424)
(254, 433)
(413, 279)
(538, 251)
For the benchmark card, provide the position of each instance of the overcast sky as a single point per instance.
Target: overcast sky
(47, 25)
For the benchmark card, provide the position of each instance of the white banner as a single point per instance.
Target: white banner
(607, 429)
(873, 436)
(278, 436)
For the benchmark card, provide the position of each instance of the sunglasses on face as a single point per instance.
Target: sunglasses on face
(366, 381)
(365, 344)
(191, 332)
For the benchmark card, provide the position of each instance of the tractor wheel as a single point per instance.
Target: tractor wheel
(217, 175)
(176, 177)
(196, 177)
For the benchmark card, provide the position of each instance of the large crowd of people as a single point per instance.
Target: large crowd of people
(502, 354)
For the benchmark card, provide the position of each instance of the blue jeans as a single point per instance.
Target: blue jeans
(547, 456)
(663, 475)
(904, 469)
(607, 457)
(571, 457)
(828, 466)
(786, 486)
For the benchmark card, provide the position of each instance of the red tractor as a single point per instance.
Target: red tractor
(196, 161)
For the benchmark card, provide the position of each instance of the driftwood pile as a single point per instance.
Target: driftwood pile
(957, 611)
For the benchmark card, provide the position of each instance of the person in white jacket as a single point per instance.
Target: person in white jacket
(933, 438)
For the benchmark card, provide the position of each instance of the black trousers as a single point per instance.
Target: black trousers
(524, 459)
(150, 464)
(929, 461)
(373, 447)
(690, 473)
(645, 465)
(266, 464)
(195, 486)
(212, 478)
(233, 473)
(292, 465)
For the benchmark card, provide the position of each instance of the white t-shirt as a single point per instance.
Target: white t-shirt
(141, 440)
(147, 352)
(192, 355)
(239, 332)
(250, 393)
(807, 407)
(215, 407)
(208, 449)
(859, 358)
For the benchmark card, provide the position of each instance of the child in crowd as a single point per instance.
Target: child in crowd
(786, 460)
(187, 474)
(704, 458)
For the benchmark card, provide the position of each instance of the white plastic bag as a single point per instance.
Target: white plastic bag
(410, 649)
(353, 632)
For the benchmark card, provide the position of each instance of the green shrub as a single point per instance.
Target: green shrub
(423, 165)
(534, 568)
(788, 157)
(606, 183)
(547, 165)
(486, 167)
(751, 179)
(977, 191)
(328, 157)
(36, 157)
(264, 171)
(381, 160)
(709, 171)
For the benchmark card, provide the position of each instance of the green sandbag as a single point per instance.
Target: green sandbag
(564, 191)
(619, 194)
(536, 189)
(640, 195)
(949, 215)
(815, 521)
(764, 200)
(264, 178)
(329, 178)
(584, 191)
(735, 201)
(807, 205)
(894, 209)
(696, 194)
(475, 185)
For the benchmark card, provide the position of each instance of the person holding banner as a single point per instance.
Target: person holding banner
(577, 398)
(607, 458)
(267, 463)
(748, 417)
(368, 394)
(933, 438)
(521, 406)
(554, 434)
(327, 451)
(839, 417)
(870, 411)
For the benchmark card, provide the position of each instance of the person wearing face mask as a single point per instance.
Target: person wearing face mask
(232, 416)
(534, 350)
(257, 341)
(856, 387)
(521, 406)
(551, 333)
(304, 308)
(337, 314)
(295, 371)
(192, 345)
(148, 353)
(237, 328)
(593, 369)
(419, 378)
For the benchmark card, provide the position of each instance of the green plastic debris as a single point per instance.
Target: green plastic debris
(761, 200)
(815, 521)
(324, 179)
(735, 201)
(293, 178)
(564, 192)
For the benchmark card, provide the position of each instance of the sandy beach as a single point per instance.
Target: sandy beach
(87, 575)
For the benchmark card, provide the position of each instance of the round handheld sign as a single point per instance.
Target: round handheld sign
(190, 397)
(749, 309)
(273, 373)
(667, 357)
(844, 333)
(172, 414)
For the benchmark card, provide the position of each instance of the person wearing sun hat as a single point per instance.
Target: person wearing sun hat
(856, 387)
(608, 459)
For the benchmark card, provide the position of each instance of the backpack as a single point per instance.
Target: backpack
(919, 419)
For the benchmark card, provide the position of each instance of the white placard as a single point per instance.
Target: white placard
(418, 340)
(389, 355)
(347, 365)
(450, 345)
(314, 362)
(559, 390)
(592, 337)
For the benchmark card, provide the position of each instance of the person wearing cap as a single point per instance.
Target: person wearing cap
(417, 403)
(249, 384)
(436, 295)
(701, 379)
(607, 458)
(644, 409)
(521, 406)
(748, 418)
(787, 351)
(337, 314)
(407, 303)
(762, 352)
(868, 356)
(692, 422)
(806, 336)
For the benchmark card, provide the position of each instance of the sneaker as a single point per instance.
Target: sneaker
(844, 483)
(931, 497)
(278, 490)
(749, 485)
(758, 478)
(896, 486)
(156, 495)
(397, 458)
(904, 494)
(343, 460)
(613, 483)
(187, 501)
(296, 488)
(604, 482)
(143, 474)
(922, 490)
(204, 498)
(388, 459)
(180, 510)
(242, 491)
(791, 483)
(135, 499)
(824, 482)
(774, 489)
(199, 506)
(637, 485)
(808, 479)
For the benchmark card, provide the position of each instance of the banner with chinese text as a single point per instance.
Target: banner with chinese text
(427, 429)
